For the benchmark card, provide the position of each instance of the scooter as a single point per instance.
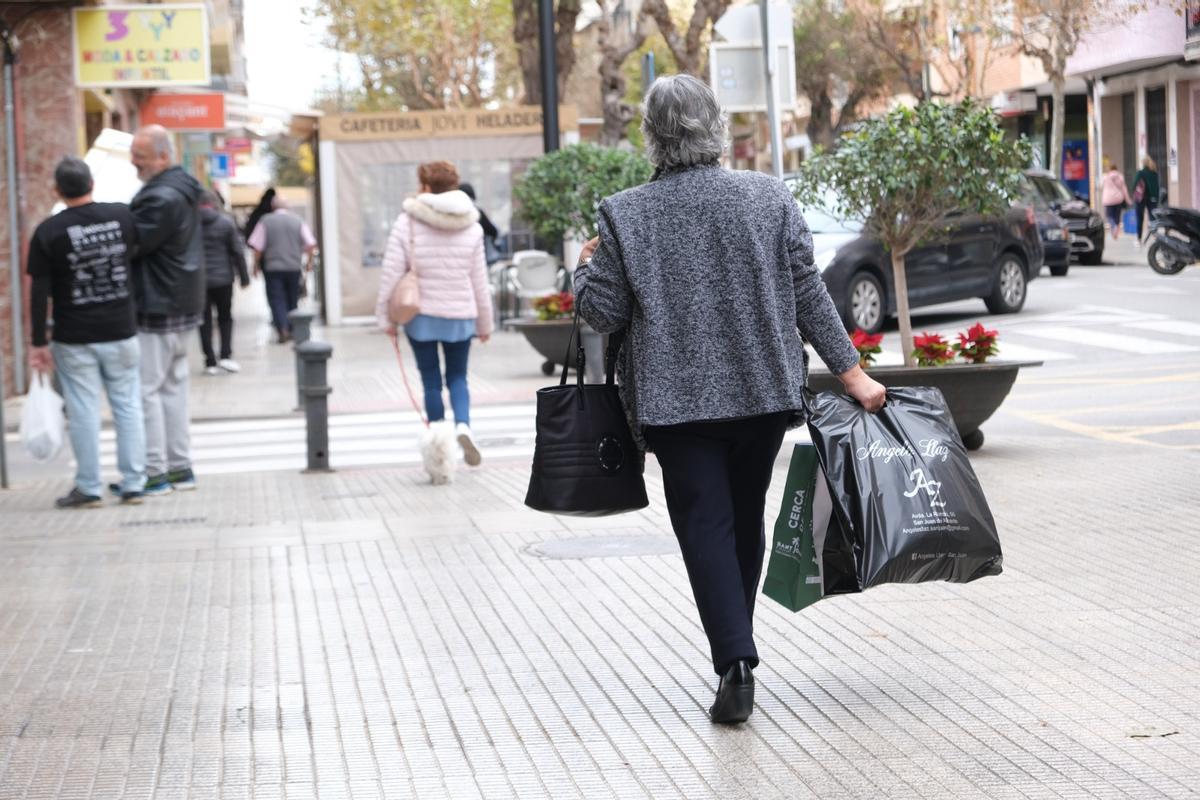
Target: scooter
(1176, 233)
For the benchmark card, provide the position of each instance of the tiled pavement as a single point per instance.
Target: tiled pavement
(362, 634)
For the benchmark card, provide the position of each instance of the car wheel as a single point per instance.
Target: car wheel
(1163, 262)
(1059, 270)
(1093, 258)
(864, 303)
(1008, 294)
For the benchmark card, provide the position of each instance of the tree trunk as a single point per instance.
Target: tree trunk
(901, 281)
(525, 34)
(617, 113)
(820, 119)
(1058, 121)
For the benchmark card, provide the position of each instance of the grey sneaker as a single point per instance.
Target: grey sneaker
(77, 499)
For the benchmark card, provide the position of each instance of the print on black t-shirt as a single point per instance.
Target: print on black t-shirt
(80, 258)
(98, 259)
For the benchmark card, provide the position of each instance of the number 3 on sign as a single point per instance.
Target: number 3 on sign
(118, 30)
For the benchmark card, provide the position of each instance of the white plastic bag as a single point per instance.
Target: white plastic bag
(42, 420)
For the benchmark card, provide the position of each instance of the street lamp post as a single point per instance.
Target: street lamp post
(549, 75)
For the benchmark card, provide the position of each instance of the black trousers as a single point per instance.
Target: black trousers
(1143, 210)
(716, 476)
(221, 298)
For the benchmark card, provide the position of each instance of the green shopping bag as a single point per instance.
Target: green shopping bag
(794, 571)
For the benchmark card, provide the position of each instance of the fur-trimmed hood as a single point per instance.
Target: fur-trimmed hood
(451, 211)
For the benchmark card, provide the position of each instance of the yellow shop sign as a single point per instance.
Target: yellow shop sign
(141, 45)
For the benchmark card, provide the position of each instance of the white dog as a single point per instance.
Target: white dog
(439, 451)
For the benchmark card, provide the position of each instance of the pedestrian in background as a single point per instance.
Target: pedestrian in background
(437, 235)
(284, 247)
(224, 260)
(79, 259)
(168, 282)
(1145, 193)
(1114, 195)
(711, 272)
(262, 209)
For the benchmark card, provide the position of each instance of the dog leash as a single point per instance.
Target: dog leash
(407, 386)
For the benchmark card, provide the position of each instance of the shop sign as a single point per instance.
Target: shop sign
(517, 121)
(185, 112)
(1010, 104)
(141, 46)
(220, 165)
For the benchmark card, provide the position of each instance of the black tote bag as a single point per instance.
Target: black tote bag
(585, 462)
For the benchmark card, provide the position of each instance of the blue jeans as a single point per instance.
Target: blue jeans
(456, 378)
(82, 370)
(283, 295)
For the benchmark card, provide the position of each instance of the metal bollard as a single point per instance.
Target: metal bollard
(316, 405)
(301, 332)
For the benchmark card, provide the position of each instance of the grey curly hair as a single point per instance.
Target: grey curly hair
(683, 123)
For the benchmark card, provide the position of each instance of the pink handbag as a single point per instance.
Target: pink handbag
(405, 302)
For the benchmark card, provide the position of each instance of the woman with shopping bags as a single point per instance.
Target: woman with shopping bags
(711, 273)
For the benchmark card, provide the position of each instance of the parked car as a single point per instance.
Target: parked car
(1085, 225)
(989, 257)
(1056, 236)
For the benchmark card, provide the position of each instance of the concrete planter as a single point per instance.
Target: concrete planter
(550, 339)
(972, 391)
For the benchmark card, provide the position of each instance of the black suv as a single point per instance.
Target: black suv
(1085, 225)
(989, 257)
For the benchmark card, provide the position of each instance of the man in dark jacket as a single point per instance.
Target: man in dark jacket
(224, 258)
(168, 285)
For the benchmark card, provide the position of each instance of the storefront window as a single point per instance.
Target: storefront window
(384, 187)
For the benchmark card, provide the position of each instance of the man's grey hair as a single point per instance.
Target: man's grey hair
(683, 123)
(160, 137)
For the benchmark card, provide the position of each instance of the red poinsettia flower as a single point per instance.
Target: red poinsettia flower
(861, 338)
(931, 350)
(978, 344)
(554, 306)
(867, 346)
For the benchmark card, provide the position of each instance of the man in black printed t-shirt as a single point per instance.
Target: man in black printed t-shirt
(79, 259)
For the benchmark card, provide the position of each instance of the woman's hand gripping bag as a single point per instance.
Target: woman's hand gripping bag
(903, 489)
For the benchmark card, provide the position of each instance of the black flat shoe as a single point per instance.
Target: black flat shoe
(735, 695)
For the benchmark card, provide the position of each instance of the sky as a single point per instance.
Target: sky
(286, 62)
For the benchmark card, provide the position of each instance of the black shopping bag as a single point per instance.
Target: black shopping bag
(811, 556)
(585, 462)
(903, 489)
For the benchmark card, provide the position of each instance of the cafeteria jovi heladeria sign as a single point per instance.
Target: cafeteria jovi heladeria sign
(141, 46)
(519, 120)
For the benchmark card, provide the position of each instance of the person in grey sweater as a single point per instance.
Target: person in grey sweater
(711, 274)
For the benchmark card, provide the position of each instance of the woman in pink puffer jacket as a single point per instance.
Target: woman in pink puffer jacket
(439, 236)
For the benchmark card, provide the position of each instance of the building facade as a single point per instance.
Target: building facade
(1146, 97)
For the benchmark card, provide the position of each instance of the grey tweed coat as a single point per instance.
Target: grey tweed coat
(711, 271)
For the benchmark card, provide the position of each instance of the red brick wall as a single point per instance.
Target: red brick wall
(49, 113)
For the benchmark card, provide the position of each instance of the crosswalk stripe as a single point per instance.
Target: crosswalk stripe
(1172, 326)
(1104, 339)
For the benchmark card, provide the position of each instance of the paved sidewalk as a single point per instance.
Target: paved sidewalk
(363, 634)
